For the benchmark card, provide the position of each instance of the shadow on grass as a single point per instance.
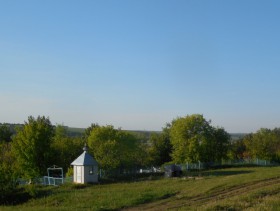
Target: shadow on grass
(149, 197)
(216, 173)
(23, 194)
(132, 178)
(227, 173)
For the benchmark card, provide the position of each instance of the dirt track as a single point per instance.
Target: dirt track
(176, 202)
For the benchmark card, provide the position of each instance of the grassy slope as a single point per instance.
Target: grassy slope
(227, 189)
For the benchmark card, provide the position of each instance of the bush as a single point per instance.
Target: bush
(32, 190)
(7, 182)
(69, 172)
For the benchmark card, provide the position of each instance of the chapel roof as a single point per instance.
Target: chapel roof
(85, 159)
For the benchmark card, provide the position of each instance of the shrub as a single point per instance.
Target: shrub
(7, 182)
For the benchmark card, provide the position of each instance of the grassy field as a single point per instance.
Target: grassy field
(251, 188)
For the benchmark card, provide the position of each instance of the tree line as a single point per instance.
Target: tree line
(28, 151)
(264, 144)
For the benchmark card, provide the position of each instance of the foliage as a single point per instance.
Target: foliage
(113, 148)
(89, 129)
(160, 147)
(264, 144)
(64, 148)
(237, 150)
(69, 172)
(221, 144)
(193, 139)
(5, 133)
(32, 190)
(7, 174)
(38, 145)
(32, 147)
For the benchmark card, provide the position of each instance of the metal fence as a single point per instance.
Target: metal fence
(201, 165)
(45, 180)
(137, 172)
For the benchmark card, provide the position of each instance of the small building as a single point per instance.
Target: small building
(85, 168)
(173, 170)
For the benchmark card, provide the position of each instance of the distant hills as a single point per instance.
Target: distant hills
(72, 131)
(76, 132)
(236, 136)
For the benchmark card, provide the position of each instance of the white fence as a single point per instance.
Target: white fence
(52, 180)
(45, 180)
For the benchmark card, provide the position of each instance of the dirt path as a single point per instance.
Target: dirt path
(176, 202)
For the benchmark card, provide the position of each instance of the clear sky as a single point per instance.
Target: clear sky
(140, 64)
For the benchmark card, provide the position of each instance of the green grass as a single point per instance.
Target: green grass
(266, 198)
(98, 197)
(251, 188)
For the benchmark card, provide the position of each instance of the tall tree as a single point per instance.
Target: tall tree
(187, 134)
(113, 148)
(193, 139)
(160, 147)
(276, 157)
(32, 146)
(238, 150)
(65, 149)
(221, 144)
(264, 144)
(89, 129)
(248, 141)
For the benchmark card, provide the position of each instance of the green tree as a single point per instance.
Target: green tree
(88, 130)
(32, 146)
(113, 148)
(5, 133)
(187, 134)
(264, 144)
(221, 144)
(160, 147)
(249, 151)
(193, 139)
(238, 150)
(276, 156)
(7, 172)
(64, 148)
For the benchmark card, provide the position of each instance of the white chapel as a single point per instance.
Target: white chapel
(85, 168)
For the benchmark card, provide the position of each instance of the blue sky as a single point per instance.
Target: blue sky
(140, 64)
